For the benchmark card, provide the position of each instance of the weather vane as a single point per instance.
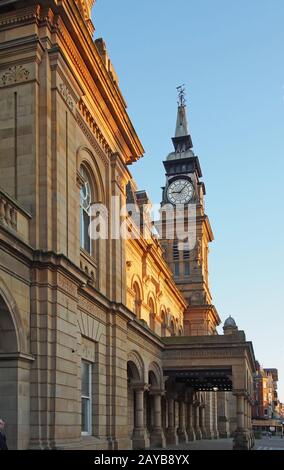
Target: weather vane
(181, 95)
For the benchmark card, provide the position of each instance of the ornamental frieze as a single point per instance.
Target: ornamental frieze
(91, 308)
(185, 353)
(67, 285)
(15, 74)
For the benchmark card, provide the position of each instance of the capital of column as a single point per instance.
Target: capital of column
(143, 387)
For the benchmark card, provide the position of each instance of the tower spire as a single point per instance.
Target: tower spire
(182, 140)
(181, 125)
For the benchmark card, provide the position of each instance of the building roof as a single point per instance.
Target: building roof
(230, 322)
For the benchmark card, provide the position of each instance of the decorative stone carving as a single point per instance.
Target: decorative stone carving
(91, 308)
(66, 95)
(15, 74)
(91, 138)
(86, 6)
(90, 327)
(67, 285)
(26, 15)
(198, 254)
(128, 265)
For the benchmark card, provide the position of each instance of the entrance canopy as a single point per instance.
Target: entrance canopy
(211, 363)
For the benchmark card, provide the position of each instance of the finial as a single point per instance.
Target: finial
(181, 95)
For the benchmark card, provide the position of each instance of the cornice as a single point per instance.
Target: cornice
(63, 18)
(102, 82)
(19, 51)
(90, 134)
(18, 16)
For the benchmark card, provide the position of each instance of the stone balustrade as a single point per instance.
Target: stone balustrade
(13, 216)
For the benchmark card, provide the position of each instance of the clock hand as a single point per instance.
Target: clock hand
(182, 188)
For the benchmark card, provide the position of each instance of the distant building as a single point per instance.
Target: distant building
(267, 405)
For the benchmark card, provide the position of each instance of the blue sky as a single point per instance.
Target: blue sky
(230, 55)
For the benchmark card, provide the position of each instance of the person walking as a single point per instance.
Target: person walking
(3, 442)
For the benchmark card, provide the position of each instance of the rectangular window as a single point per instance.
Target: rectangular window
(86, 401)
(176, 269)
(186, 269)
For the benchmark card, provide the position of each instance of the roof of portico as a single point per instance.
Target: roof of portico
(188, 354)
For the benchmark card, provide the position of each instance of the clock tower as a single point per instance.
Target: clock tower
(188, 261)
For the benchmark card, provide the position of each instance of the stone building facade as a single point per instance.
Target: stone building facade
(89, 328)
(266, 405)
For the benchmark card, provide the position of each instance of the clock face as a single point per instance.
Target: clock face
(180, 191)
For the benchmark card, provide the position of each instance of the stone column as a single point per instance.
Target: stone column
(182, 435)
(171, 434)
(215, 415)
(197, 429)
(222, 411)
(157, 438)
(189, 424)
(240, 412)
(202, 421)
(250, 423)
(140, 439)
(208, 416)
(245, 413)
(241, 441)
(164, 414)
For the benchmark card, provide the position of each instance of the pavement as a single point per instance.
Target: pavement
(205, 444)
(275, 443)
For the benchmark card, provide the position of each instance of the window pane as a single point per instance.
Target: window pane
(86, 223)
(86, 397)
(85, 376)
(186, 269)
(85, 203)
(86, 415)
(176, 269)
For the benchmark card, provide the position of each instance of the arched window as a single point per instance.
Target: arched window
(137, 300)
(85, 211)
(152, 315)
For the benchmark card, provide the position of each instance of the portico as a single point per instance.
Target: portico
(213, 364)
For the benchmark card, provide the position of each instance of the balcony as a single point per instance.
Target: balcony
(14, 217)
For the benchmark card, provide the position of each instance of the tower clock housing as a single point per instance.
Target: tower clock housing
(189, 265)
